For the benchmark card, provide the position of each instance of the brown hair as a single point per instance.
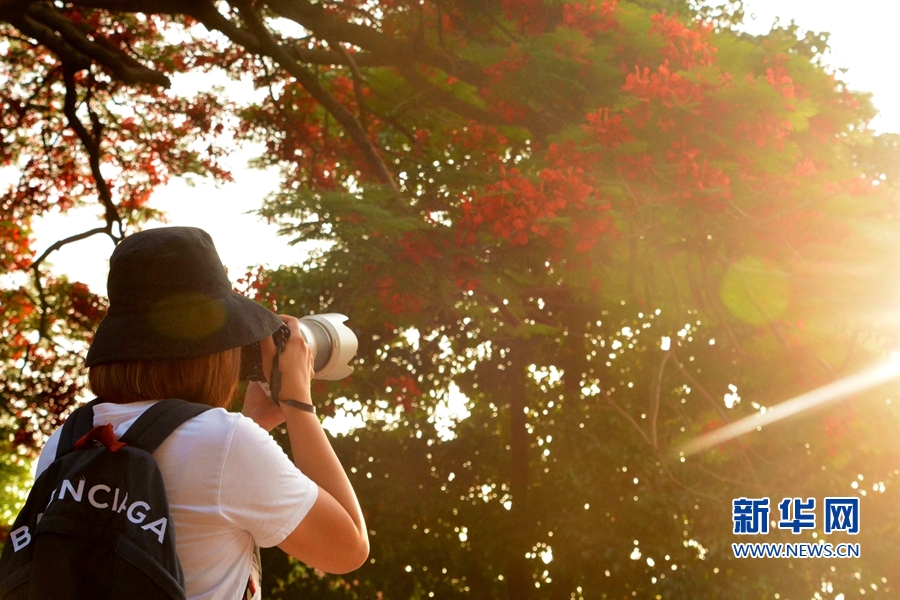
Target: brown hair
(210, 379)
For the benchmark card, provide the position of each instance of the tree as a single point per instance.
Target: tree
(595, 219)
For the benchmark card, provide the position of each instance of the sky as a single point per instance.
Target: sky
(863, 42)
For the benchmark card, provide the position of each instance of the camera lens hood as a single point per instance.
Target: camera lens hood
(333, 344)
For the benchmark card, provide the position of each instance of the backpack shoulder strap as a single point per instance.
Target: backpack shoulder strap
(154, 426)
(77, 425)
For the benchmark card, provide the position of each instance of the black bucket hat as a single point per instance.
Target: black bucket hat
(169, 297)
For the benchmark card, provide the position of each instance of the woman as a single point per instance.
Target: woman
(175, 328)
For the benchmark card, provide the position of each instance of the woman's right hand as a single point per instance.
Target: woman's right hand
(259, 406)
(295, 363)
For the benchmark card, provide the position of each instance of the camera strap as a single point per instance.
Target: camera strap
(279, 337)
(275, 383)
(275, 377)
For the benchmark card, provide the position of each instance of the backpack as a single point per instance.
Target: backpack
(96, 523)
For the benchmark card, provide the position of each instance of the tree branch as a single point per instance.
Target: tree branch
(445, 98)
(47, 37)
(92, 145)
(317, 20)
(684, 486)
(718, 410)
(358, 79)
(72, 238)
(43, 305)
(628, 417)
(207, 13)
(654, 398)
(696, 384)
(125, 67)
(161, 7)
(406, 67)
(267, 45)
(320, 56)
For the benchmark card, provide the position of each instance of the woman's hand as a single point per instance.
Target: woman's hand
(296, 366)
(260, 407)
(295, 363)
(333, 535)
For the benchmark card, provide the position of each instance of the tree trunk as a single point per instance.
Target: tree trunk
(518, 579)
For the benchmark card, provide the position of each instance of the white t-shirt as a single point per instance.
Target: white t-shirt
(229, 485)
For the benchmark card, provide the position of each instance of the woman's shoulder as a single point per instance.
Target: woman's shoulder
(210, 425)
(226, 437)
(212, 431)
(122, 416)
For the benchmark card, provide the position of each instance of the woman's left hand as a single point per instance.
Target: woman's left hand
(261, 408)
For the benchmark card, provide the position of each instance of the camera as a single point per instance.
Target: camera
(332, 343)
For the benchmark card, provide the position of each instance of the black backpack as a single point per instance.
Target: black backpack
(96, 523)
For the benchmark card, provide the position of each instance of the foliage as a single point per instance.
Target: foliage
(16, 477)
(76, 135)
(606, 227)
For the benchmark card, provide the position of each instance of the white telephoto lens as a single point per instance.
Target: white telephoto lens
(333, 344)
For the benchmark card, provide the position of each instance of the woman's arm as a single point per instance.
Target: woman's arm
(332, 537)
